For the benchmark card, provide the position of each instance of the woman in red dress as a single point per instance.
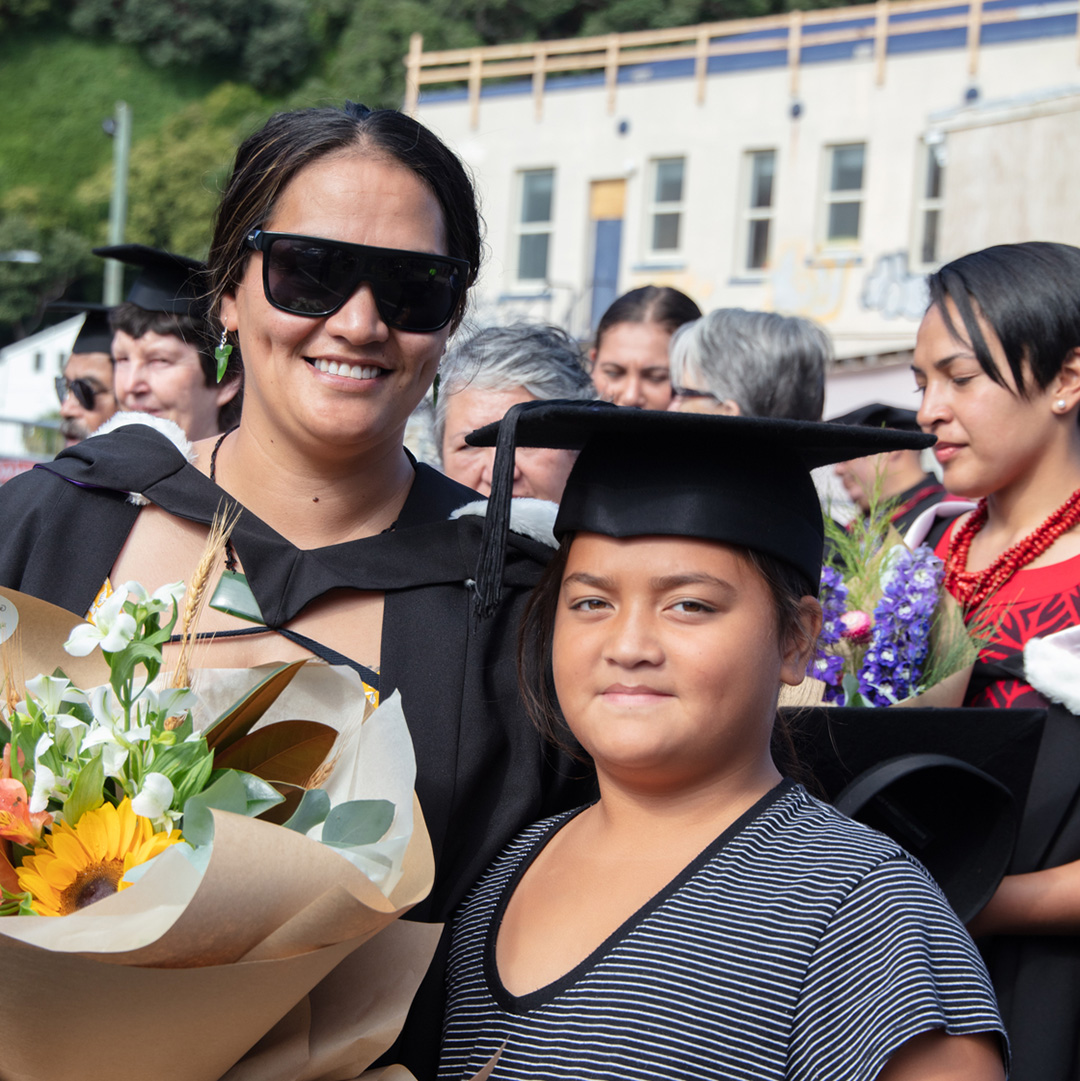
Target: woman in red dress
(997, 362)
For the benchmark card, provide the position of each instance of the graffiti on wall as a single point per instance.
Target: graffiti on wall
(893, 290)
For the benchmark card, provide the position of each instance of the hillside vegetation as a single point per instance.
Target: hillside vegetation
(198, 77)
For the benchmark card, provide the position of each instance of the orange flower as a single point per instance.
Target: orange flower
(16, 822)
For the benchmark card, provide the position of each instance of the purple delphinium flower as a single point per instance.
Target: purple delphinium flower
(825, 666)
(900, 641)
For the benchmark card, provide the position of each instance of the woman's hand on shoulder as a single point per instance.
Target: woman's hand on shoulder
(937, 1056)
(1043, 902)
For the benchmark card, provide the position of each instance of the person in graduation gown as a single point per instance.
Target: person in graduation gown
(345, 547)
(997, 360)
(895, 479)
(85, 389)
(706, 918)
(164, 348)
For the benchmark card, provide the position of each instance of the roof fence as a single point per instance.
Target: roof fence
(880, 30)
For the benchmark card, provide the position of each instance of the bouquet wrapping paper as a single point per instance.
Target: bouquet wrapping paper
(265, 955)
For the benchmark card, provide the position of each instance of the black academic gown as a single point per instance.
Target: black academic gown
(1037, 977)
(482, 771)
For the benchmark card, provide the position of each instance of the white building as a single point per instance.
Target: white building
(817, 163)
(28, 371)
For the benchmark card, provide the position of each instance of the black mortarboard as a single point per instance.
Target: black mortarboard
(737, 480)
(949, 785)
(95, 335)
(166, 282)
(878, 415)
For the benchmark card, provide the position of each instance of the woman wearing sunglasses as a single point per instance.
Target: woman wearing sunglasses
(343, 249)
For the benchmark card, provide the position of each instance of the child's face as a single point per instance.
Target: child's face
(667, 659)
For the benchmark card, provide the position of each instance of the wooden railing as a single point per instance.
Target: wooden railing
(794, 32)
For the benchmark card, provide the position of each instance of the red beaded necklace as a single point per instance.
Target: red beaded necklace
(971, 588)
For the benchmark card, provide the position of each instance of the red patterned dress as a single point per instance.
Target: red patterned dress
(1034, 602)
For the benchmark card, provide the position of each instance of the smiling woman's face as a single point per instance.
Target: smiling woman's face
(342, 382)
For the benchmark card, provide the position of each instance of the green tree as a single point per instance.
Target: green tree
(265, 42)
(176, 175)
(26, 287)
(15, 14)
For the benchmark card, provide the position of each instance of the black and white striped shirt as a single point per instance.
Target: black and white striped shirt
(799, 945)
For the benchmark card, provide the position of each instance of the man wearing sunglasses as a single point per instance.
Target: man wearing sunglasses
(85, 389)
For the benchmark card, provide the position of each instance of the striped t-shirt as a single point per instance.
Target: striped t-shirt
(798, 945)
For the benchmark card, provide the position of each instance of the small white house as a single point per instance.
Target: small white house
(28, 371)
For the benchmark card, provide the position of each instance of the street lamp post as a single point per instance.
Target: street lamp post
(119, 127)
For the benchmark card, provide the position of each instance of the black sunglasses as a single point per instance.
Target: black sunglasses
(308, 275)
(85, 392)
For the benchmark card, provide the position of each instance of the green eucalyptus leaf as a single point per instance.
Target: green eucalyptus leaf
(358, 822)
(313, 809)
(261, 795)
(227, 793)
(86, 791)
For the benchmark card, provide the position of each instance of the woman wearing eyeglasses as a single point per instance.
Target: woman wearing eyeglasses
(343, 249)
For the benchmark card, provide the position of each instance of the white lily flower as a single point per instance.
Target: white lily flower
(171, 702)
(52, 692)
(45, 741)
(113, 628)
(69, 734)
(161, 600)
(155, 796)
(113, 759)
(46, 785)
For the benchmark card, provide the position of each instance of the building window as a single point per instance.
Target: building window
(534, 224)
(760, 186)
(39, 361)
(843, 210)
(666, 208)
(931, 201)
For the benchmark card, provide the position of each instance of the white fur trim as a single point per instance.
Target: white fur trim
(168, 428)
(949, 508)
(528, 517)
(1052, 667)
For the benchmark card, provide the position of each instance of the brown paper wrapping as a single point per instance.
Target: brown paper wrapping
(281, 962)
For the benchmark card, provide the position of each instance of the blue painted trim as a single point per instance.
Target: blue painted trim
(899, 43)
(505, 298)
(762, 280)
(644, 268)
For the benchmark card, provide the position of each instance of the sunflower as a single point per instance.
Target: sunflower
(81, 864)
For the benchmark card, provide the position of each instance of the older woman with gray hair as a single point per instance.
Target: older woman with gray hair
(481, 378)
(751, 364)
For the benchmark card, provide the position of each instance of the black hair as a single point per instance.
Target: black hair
(649, 304)
(192, 330)
(1029, 294)
(268, 160)
(536, 681)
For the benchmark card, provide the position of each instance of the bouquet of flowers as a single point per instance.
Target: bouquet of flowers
(891, 634)
(219, 867)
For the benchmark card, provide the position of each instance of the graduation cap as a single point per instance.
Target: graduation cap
(738, 480)
(948, 785)
(878, 415)
(166, 282)
(95, 335)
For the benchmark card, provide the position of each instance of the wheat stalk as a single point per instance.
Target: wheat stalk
(198, 592)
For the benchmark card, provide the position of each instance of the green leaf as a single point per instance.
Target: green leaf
(290, 751)
(358, 822)
(260, 795)
(227, 793)
(86, 791)
(241, 717)
(234, 597)
(313, 809)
